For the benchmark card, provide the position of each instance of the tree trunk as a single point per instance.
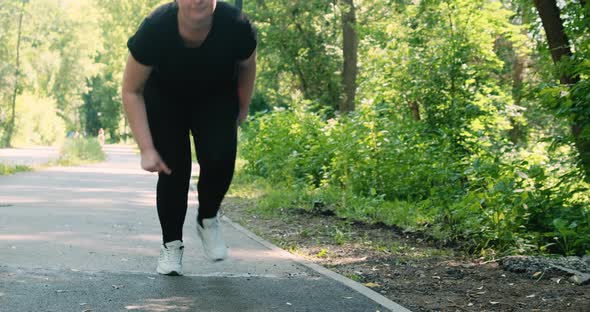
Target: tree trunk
(10, 128)
(350, 50)
(558, 41)
(415, 109)
(559, 47)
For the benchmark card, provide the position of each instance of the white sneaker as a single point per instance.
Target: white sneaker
(170, 260)
(210, 234)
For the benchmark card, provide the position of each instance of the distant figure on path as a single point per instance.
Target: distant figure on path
(191, 68)
(101, 136)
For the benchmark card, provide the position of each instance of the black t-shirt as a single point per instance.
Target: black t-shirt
(178, 70)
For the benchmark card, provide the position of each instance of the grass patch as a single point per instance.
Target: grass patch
(80, 151)
(353, 276)
(7, 169)
(273, 199)
(285, 205)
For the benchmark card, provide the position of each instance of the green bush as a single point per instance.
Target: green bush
(11, 169)
(81, 150)
(482, 193)
(286, 146)
(37, 122)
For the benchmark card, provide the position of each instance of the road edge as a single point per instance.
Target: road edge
(358, 287)
(365, 291)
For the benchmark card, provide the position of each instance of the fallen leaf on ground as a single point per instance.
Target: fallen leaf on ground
(371, 284)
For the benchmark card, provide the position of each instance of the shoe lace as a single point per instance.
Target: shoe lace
(172, 254)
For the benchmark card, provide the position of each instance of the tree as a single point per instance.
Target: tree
(9, 12)
(559, 47)
(10, 126)
(349, 51)
(118, 21)
(300, 51)
(60, 47)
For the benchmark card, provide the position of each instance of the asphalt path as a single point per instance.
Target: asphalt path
(87, 239)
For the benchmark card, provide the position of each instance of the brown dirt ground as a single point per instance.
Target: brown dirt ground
(406, 268)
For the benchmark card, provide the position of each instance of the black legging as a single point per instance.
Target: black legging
(212, 122)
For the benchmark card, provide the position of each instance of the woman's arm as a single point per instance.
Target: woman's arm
(246, 79)
(134, 80)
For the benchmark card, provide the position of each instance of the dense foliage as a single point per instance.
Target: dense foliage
(458, 132)
(71, 53)
(468, 126)
(77, 151)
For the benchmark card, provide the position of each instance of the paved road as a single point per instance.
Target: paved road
(87, 239)
(35, 155)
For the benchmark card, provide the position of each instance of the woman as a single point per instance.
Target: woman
(101, 137)
(191, 67)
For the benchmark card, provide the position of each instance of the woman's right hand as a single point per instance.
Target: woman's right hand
(152, 162)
